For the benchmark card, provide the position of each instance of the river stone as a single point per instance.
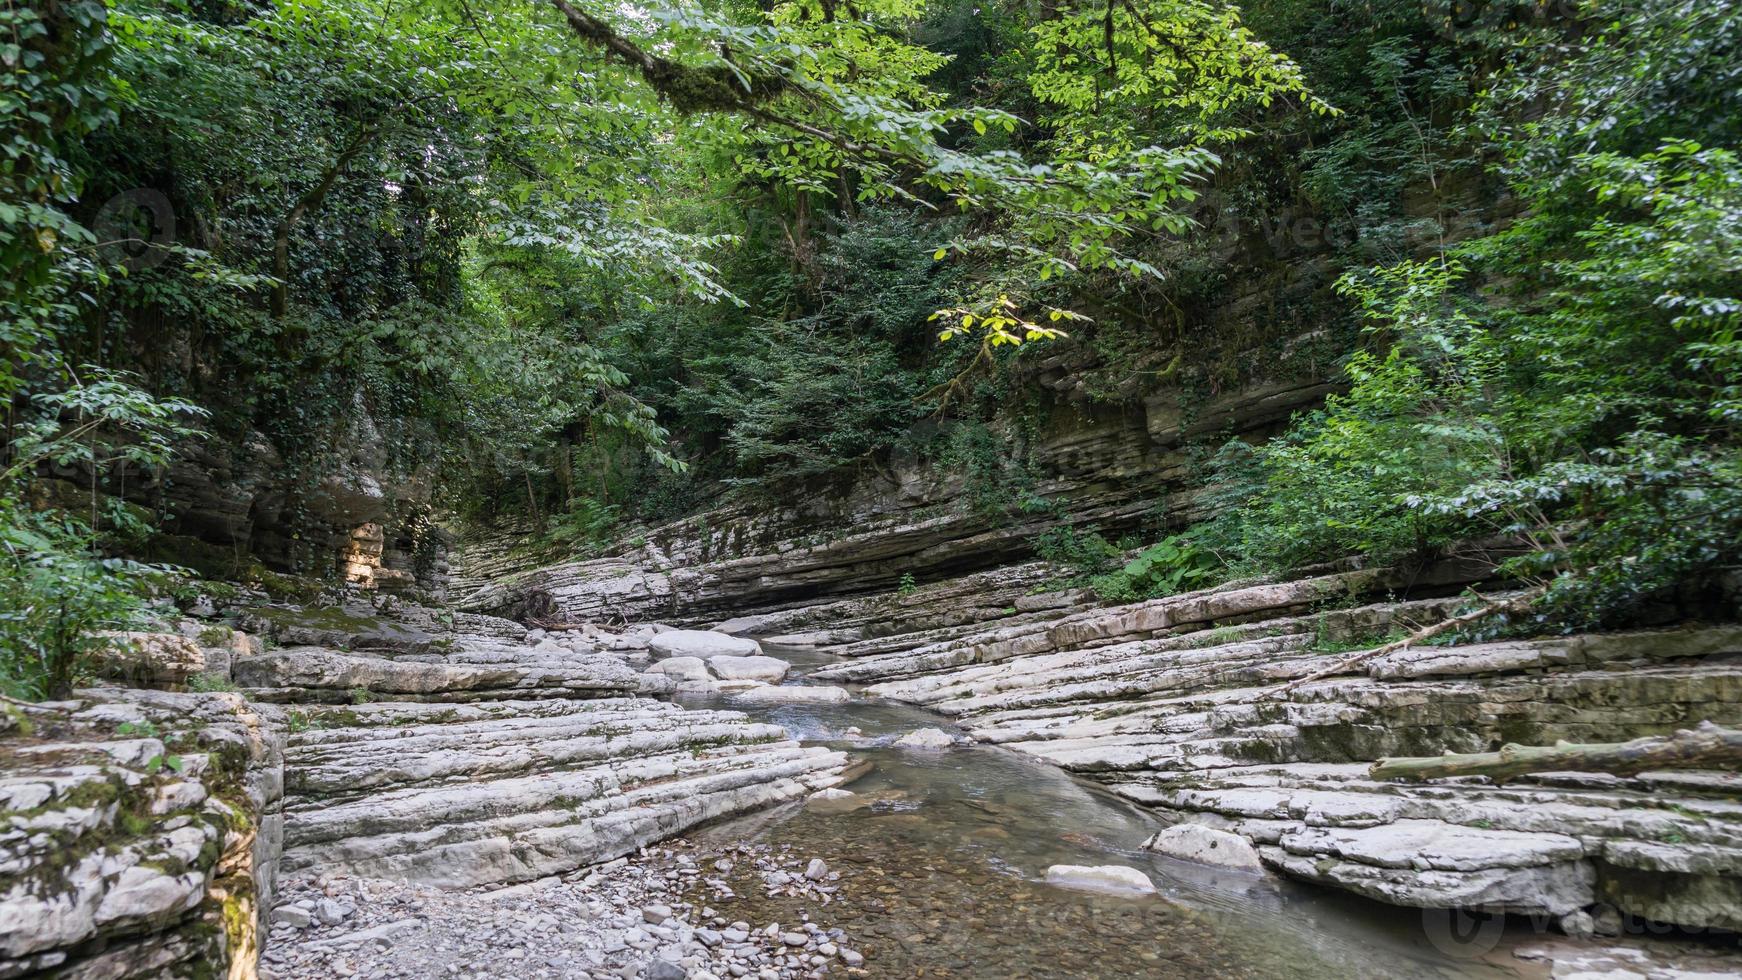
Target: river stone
(1206, 845)
(792, 694)
(835, 801)
(682, 668)
(1102, 878)
(732, 668)
(926, 738)
(702, 643)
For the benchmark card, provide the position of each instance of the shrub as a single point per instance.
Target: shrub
(1173, 565)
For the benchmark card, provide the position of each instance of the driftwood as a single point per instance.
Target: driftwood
(1706, 747)
(552, 625)
(1515, 604)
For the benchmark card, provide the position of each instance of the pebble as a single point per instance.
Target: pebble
(294, 916)
(630, 919)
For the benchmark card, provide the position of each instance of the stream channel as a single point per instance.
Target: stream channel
(961, 840)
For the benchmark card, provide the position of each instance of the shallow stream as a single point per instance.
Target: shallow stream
(951, 848)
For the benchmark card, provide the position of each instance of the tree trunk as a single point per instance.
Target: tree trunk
(309, 201)
(565, 470)
(1705, 747)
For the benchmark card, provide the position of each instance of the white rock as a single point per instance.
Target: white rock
(733, 668)
(332, 913)
(291, 916)
(682, 668)
(926, 738)
(793, 694)
(702, 643)
(1206, 845)
(1104, 878)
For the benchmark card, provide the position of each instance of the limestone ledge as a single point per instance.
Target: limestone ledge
(517, 791)
(141, 835)
(1172, 702)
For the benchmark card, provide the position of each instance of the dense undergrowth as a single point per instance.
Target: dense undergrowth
(594, 296)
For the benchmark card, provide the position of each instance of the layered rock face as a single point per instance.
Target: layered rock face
(232, 501)
(144, 829)
(865, 535)
(513, 791)
(141, 835)
(1180, 704)
(462, 750)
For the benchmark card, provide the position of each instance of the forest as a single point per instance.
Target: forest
(299, 290)
(597, 269)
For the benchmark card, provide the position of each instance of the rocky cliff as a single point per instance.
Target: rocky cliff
(1107, 468)
(142, 835)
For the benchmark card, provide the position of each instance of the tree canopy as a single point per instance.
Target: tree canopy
(596, 263)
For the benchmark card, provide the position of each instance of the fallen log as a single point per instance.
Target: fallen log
(1707, 746)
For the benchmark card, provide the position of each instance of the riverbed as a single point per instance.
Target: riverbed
(953, 846)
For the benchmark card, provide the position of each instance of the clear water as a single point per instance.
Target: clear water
(947, 851)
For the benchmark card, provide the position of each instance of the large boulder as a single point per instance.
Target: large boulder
(1206, 845)
(926, 738)
(702, 643)
(163, 659)
(731, 668)
(690, 669)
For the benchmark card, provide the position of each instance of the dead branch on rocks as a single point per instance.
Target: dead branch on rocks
(1706, 747)
(1515, 604)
